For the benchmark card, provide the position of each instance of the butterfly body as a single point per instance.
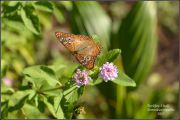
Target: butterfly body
(84, 48)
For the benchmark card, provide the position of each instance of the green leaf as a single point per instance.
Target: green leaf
(39, 73)
(49, 106)
(57, 106)
(58, 13)
(124, 80)
(31, 112)
(4, 67)
(17, 100)
(54, 108)
(31, 21)
(44, 6)
(36, 99)
(4, 109)
(32, 93)
(137, 39)
(41, 106)
(10, 8)
(67, 4)
(95, 82)
(70, 96)
(7, 90)
(110, 56)
(96, 38)
(90, 18)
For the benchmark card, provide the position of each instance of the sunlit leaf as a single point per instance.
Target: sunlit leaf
(110, 56)
(42, 73)
(32, 112)
(57, 106)
(137, 39)
(10, 8)
(44, 6)
(124, 80)
(55, 109)
(17, 100)
(70, 96)
(89, 18)
(31, 21)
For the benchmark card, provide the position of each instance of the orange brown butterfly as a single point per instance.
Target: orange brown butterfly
(84, 48)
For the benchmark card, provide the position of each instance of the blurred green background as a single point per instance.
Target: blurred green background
(146, 33)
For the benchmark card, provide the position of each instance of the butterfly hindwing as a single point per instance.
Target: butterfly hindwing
(82, 47)
(86, 60)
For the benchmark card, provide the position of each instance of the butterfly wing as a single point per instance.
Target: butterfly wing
(87, 55)
(82, 47)
(85, 60)
(67, 40)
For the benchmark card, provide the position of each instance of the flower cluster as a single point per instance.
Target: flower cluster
(81, 77)
(108, 72)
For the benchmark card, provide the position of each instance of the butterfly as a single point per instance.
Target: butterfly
(82, 47)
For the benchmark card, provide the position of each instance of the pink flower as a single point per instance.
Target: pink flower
(8, 81)
(108, 71)
(81, 77)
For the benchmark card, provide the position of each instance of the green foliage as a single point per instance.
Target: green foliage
(41, 73)
(89, 18)
(44, 6)
(31, 21)
(138, 44)
(108, 57)
(42, 85)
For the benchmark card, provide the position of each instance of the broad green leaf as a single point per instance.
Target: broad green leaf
(51, 91)
(137, 39)
(41, 106)
(31, 21)
(42, 87)
(90, 18)
(124, 80)
(49, 106)
(110, 56)
(57, 106)
(44, 6)
(31, 93)
(70, 95)
(7, 90)
(31, 112)
(13, 3)
(41, 72)
(10, 8)
(17, 100)
(55, 109)
(21, 29)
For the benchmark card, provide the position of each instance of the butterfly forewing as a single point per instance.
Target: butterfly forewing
(67, 40)
(82, 47)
